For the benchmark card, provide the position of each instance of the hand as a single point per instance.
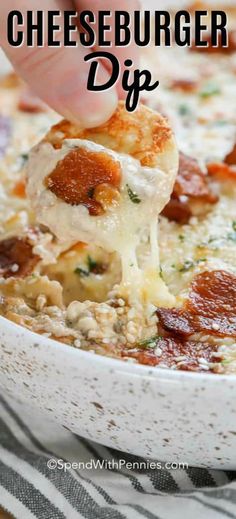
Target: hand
(58, 75)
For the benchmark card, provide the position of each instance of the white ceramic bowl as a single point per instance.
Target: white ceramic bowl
(157, 413)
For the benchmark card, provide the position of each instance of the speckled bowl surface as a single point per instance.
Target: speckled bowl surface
(157, 413)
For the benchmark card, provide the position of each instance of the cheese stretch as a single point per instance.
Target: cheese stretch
(143, 193)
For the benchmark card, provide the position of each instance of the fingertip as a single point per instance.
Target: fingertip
(95, 109)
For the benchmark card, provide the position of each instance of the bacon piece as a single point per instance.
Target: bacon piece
(230, 159)
(213, 293)
(77, 177)
(5, 133)
(176, 321)
(30, 103)
(172, 349)
(16, 257)
(143, 357)
(19, 189)
(183, 324)
(185, 85)
(220, 49)
(211, 308)
(191, 181)
(221, 171)
(177, 211)
(191, 184)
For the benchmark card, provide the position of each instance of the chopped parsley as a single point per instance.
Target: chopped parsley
(133, 196)
(92, 264)
(92, 267)
(181, 237)
(184, 109)
(24, 157)
(150, 343)
(81, 272)
(22, 160)
(189, 264)
(213, 238)
(230, 236)
(210, 89)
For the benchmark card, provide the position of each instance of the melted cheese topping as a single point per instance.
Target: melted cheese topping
(203, 118)
(144, 192)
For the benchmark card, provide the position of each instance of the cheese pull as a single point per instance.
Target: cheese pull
(107, 186)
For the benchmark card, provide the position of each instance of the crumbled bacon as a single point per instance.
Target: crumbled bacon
(176, 321)
(213, 294)
(77, 177)
(230, 159)
(30, 103)
(220, 49)
(177, 211)
(221, 171)
(191, 185)
(175, 352)
(185, 85)
(16, 257)
(191, 181)
(143, 357)
(211, 308)
(19, 189)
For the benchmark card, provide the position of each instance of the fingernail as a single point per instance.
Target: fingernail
(93, 108)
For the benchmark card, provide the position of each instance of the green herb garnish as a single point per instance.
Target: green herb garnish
(189, 264)
(210, 89)
(184, 110)
(92, 267)
(181, 237)
(24, 157)
(92, 264)
(133, 196)
(150, 343)
(81, 272)
(234, 225)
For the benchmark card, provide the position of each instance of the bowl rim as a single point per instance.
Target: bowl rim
(115, 365)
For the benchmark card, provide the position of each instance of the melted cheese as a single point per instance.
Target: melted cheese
(144, 193)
